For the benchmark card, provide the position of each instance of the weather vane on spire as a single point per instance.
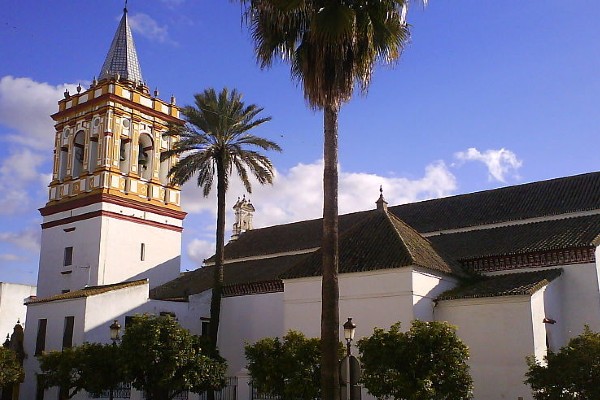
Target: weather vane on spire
(125, 9)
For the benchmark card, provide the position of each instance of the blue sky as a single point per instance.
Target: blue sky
(487, 94)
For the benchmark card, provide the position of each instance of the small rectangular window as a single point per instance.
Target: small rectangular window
(40, 343)
(205, 327)
(142, 251)
(68, 260)
(68, 332)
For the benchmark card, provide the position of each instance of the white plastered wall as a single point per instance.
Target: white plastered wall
(372, 299)
(12, 307)
(500, 334)
(107, 250)
(55, 313)
(246, 319)
(120, 252)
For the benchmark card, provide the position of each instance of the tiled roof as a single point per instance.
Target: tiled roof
(525, 283)
(122, 57)
(517, 239)
(538, 199)
(364, 247)
(283, 238)
(242, 272)
(88, 291)
(544, 198)
(379, 241)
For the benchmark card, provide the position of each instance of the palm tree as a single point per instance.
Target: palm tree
(215, 142)
(332, 46)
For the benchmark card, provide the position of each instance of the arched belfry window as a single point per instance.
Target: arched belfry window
(93, 154)
(78, 153)
(145, 156)
(163, 173)
(124, 152)
(63, 159)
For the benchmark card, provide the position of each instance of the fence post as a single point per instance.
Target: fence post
(243, 385)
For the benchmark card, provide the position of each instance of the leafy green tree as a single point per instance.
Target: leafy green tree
(92, 367)
(571, 373)
(332, 46)
(288, 368)
(11, 371)
(428, 362)
(163, 359)
(216, 141)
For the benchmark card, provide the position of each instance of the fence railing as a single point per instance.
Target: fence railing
(123, 391)
(229, 392)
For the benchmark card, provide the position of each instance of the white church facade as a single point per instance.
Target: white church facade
(515, 269)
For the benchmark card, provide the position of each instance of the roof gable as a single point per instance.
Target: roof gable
(515, 203)
(378, 241)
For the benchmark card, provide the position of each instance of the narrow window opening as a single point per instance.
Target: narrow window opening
(40, 343)
(68, 259)
(205, 326)
(68, 332)
(142, 251)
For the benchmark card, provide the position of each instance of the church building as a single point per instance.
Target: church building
(515, 269)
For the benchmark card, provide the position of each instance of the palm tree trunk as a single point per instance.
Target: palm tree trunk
(215, 301)
(329, 290)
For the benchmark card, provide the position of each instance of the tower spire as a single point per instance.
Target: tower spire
(122, 59)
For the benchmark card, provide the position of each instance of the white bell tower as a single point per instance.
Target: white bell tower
(112, 215)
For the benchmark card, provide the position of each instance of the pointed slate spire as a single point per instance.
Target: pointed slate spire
(121, 60)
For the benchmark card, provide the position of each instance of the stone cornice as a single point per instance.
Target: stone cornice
(113, 199)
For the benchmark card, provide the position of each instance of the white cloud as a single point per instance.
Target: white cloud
(147, 27)
(198, 250)
(298, 194)
(28, 239)
(9, 257)
(26, 106)
(499, 163)
(21, 181)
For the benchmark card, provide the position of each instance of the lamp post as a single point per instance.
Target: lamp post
(349, 330)
(115, 329)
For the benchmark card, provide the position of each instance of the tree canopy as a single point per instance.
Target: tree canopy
(428, 362)
(11, 371)
(571, 373)
(163, 359)
(156, 355)
(287, 368)
(92, 367)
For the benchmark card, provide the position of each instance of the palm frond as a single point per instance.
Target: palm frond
(331, 46)
(216, 131)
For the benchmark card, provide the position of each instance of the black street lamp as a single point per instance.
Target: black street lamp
(115, 329)
(349, 330)
(350, 363)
